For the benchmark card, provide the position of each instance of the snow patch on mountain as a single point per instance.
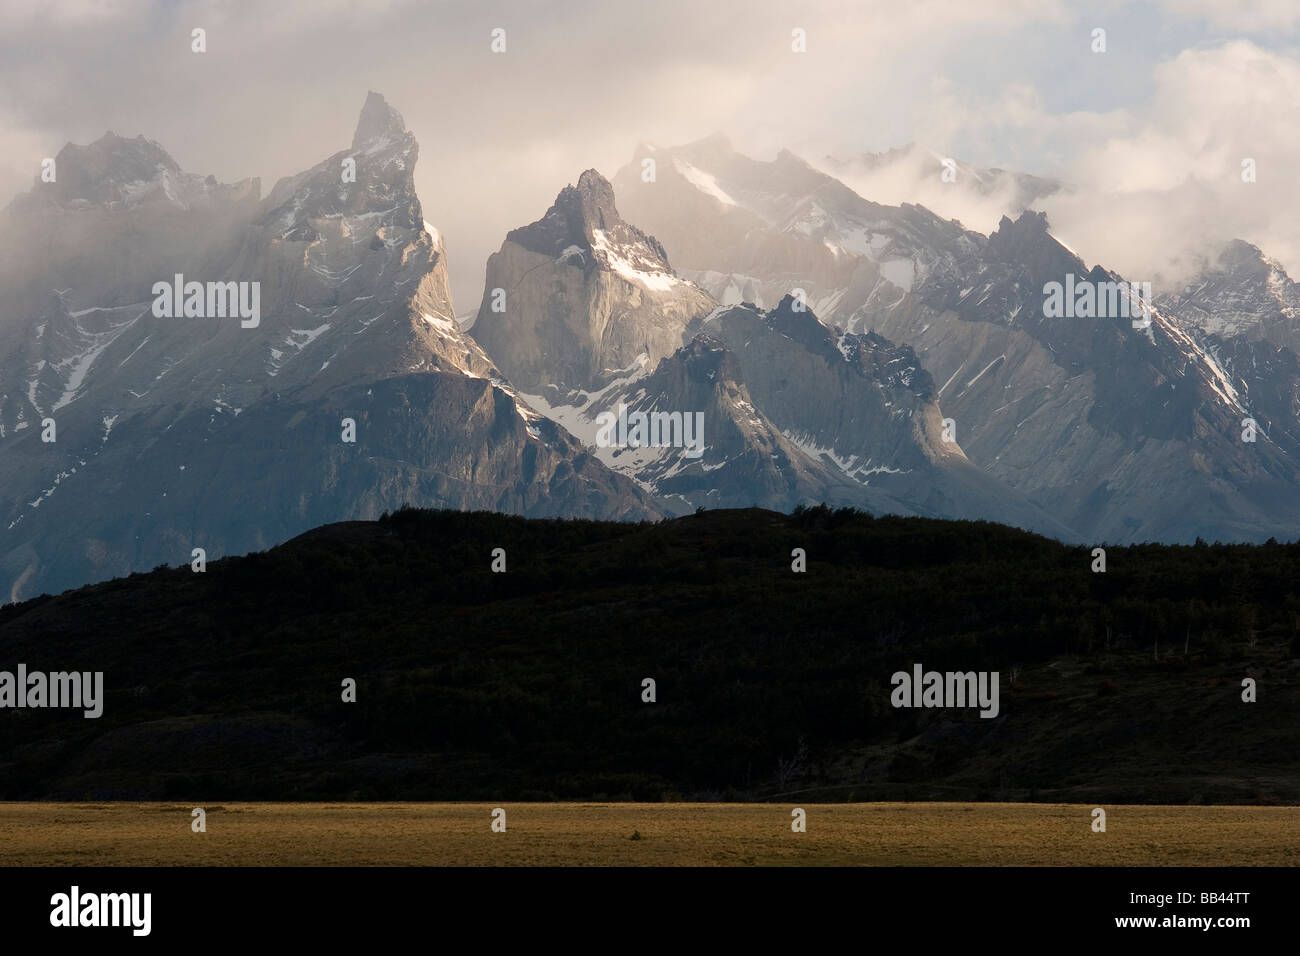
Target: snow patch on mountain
(703, 181)
(77, 365)
(615, 258)
(901, 272)
(1215, 377)
(859, 471)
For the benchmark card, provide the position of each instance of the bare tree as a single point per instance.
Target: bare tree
(787, 770)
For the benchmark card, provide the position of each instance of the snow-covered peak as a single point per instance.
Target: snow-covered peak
(583, 227)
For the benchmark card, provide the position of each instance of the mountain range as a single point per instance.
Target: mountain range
(181, 433)
(832, 348)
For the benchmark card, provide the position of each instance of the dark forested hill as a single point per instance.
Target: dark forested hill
(1116, 686)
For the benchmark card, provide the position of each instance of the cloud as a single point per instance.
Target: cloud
(997, 82)
(1155, 186)
(1166, 187)
(580, 84)
(1240, 16)
(65, 12)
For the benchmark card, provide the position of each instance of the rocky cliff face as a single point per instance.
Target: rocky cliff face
(730, 454)
(1125, 433)
(584, 297)
(866, 408)
(175, 431)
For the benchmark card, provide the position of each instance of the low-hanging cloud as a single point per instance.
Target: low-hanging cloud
(582, 82)
(1166, 189)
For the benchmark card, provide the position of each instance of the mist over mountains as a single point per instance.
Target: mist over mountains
(834, 347)
(182, 433)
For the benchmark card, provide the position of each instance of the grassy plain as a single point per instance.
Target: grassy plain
(645, 834)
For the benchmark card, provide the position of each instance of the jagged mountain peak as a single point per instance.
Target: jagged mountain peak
(708, 359)
(592, 183)
(787, 157)
(585, 219)
(571, 219)
(114, 150)
(788, 306)
(378, 121)
(106, 169)
(116, 171)
(1028, 223)
(1027, 240)
(1239, 290)
(798, 322)
(591, 201)
(1243, 259)
(1239, 250)
(590, 297)
(381, 181)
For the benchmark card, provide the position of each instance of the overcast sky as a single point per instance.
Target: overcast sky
(1152, 131)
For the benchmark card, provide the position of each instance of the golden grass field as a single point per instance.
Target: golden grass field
(577, 834)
